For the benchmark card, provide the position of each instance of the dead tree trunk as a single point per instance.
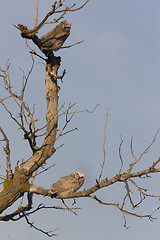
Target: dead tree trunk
(15, 188)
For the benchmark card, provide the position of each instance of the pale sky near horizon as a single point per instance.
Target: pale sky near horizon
(117, 67)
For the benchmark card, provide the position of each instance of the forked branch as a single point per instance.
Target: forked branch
(25, 117)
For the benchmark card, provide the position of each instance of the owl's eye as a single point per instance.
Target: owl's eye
(76, 175)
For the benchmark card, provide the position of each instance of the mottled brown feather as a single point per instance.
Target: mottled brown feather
(67, 184)
(54, 39)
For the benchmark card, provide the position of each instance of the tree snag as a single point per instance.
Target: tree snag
(20, 181)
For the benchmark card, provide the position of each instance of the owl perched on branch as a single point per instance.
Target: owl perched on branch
(67, 184)
(53, 40)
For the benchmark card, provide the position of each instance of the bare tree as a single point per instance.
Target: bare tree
(19, 181)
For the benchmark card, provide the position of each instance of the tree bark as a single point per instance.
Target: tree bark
(47, 148)
(14, 188)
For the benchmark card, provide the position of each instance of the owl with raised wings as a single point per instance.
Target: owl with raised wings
(67, 184)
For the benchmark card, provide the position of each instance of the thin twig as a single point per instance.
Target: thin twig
(72, 10)
(104, 147)
(46, 169)
(136, 160)
(120, 156)
(72, 44)
(70, 209)
(36, 19)
(125, 212)
(48, 233)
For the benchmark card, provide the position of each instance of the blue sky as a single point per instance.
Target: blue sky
(117, 66)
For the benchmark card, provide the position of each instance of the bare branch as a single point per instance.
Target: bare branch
(65, 125)
(67, 110)
(25, 114)
(7, 151)
(38, 190)
(72, 44)
(120, 156)
(26, 33)
(128, 194)
(75, 112)
(125, 212)
(155, 163)
(144, 152)
(1, 101)
(18, 212)
(33, 52)
(69, 209)
(104, 147)
(69, 131)
(46, 169)
(48, 233)
(142, 190)
(86, 110)
(67, 9)
(36, 19)
(42, 206)
(64, 11)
